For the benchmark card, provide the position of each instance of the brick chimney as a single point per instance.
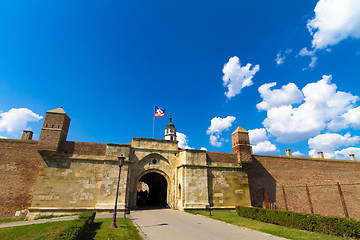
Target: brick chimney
(27, 135)
(288, 152)
(241, 145)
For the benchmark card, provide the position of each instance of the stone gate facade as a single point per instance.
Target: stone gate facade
(78, 176)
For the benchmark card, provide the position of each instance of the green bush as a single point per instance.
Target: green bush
(44, 217)
(78, 228)
(345, 227)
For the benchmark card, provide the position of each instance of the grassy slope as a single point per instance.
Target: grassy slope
(233, 218)
(35, 231)
(99, 230)
(126, 229)
(10, 220)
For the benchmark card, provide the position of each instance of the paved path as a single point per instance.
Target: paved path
(170, 224)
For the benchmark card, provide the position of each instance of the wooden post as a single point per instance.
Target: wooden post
(286, 205)
(266, 199)
(342, 200)
(310, 203)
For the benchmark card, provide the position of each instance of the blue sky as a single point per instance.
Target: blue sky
(210, 64)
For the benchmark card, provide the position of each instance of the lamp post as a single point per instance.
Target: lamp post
(120, 163)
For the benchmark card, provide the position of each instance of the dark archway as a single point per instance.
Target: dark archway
(155, 194)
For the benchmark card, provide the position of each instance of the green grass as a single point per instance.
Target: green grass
(232, 218)
(10, 220)
(35, 231)
(99, 230)
(126, 229)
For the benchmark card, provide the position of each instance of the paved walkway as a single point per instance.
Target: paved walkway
(170, 224)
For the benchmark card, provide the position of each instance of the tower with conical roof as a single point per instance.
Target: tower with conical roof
(241, 145)
(170, 131)
(54, 131)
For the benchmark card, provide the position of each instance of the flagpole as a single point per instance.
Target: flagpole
(154, 121)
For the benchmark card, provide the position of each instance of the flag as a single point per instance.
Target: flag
(159, 112)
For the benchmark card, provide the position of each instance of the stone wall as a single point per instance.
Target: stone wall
(19, 168)
(228, 187)
(84, 148)
(85, 178)
(284, 180)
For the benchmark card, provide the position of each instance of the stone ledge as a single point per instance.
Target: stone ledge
(308, 158)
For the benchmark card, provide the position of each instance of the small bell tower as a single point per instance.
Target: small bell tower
(170, 131)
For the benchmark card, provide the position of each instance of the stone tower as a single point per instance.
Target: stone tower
(170, 131)
(241, 145)
(54, 132)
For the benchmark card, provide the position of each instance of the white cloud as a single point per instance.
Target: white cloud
(182, 140)
(218, 125)
(322, 104)
(258, 135)
(305, 52)
(280, 57)
(214, 140)
(334, 21)
(298, 154)
(236, 77)
(287, 95)
(350, 118)
(344, 153)
(202, 148)
(329, 142)
(3, 137)
(16, 119)
(259, 140)
(265, 146)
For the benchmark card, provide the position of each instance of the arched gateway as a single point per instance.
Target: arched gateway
(152, 190)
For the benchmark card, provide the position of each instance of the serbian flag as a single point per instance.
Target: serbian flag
(159, 112)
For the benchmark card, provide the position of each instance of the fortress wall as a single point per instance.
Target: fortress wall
(195, 187)
(19, 168)
(278, 174)
(84, 148)
(228, 187)
(75, 185)
(221, 157)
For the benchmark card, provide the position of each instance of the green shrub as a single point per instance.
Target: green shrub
(44, 217)
(78, 228)
(339, 226)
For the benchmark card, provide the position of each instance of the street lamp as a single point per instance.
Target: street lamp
(120, 163)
